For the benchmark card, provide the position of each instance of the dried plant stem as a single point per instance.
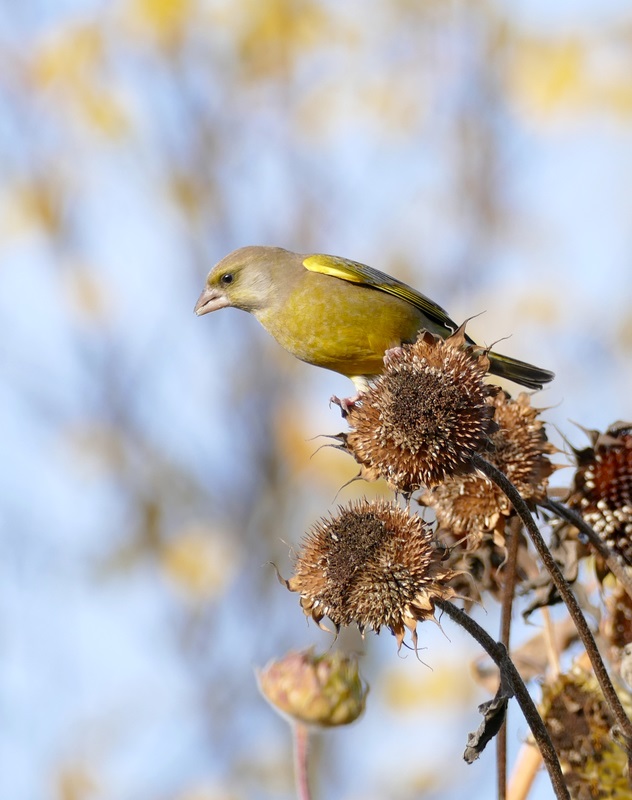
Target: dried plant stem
(501, 762)
(500, 656)
(301, 750)
(567, 596)
(528, 765)
(576, 519)
(512, 536)
(551, 644)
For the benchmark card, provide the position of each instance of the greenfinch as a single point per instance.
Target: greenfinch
(335, 313)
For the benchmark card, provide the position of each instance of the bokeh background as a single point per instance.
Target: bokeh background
(154, 463)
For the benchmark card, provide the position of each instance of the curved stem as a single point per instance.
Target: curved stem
(498, 652)
(576, 519)
(301, 742)
(512, 538)
(611, 697)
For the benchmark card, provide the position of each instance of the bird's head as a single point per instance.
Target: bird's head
(244, 279)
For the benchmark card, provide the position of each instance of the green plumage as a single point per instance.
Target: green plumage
(335, 313)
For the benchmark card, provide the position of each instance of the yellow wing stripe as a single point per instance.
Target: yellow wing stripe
(337, 268)
(354, 272)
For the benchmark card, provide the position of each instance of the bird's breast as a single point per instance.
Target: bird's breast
(345, 328)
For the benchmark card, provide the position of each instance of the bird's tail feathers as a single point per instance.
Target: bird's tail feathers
(519, 371)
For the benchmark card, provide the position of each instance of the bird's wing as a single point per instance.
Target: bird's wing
(354, 272)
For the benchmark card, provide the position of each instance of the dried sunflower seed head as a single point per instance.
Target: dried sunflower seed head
(602, 487)
(471, 506)
(422, 419)
(372, 565)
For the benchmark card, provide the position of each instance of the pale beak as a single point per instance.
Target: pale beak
(210, 300)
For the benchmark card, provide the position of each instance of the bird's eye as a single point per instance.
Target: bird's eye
(227, 278)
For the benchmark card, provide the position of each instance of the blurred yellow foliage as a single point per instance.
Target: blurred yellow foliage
(102, 109)
(163, 20)
(37, 204)
(534, 305)
(320, 112)
(200, 561)
(545, 74)
(75, 782)
(447, 684)
(394, 103)
(73, 62)
(87, 295)
(295, 442)
(277, 32)
(572, 75)
(388, 102)
(315, 458)
(68, 55)
(615, 94)
(189, 195)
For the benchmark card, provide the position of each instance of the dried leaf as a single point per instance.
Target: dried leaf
(494, 713)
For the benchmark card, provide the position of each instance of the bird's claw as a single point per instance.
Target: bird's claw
(393, 354)
(346, 403)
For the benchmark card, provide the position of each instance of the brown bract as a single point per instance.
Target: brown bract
(371, 565)
(602, 486)
(472, 506)
(420, 421)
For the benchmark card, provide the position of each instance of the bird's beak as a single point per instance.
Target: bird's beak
(210, 300)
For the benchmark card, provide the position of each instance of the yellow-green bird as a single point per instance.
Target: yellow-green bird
(335, 313)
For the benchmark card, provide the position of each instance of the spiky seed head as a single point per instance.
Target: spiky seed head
(472, 506)
(602, 486)
(374, 565)
(422, 419)
(616, 621)
(580, 725)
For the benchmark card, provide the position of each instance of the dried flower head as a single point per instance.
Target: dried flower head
(480, 571)
(423, 418)
(373, 565)
(324, 690)
(472, 506)
(580, 723)
(602, 486)
(616, 622)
